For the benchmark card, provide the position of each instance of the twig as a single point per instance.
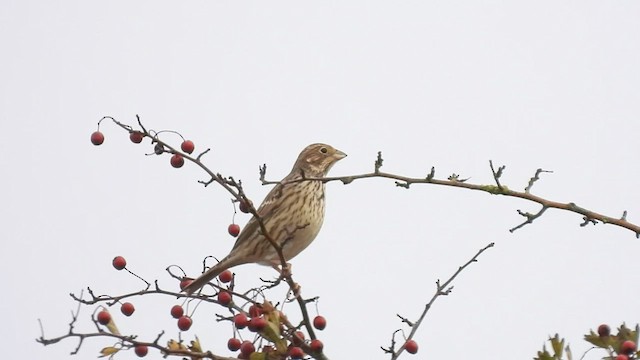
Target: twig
(441, 290)
(405, 182)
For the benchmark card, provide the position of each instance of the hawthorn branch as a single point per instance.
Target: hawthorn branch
(235, 189)
(129, 341)
(589, 216)
(442, 289)
(535, 178)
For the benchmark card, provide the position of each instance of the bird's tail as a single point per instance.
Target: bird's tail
(210, 274)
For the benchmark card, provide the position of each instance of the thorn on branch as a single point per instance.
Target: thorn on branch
(263, 173)
(378, 164)
(624, 216)
(346, 180)
(313, 299)
(403, 184)
(206, 183)
(447, 291)
(587, 221)
(158, 337)
(405, 320)
(456, 178)
(530, 217)
(535, 178)
(144, 130)
(432, 174)
(497, 174)
(202, 154)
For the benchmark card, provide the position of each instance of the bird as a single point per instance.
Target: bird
(292, 213)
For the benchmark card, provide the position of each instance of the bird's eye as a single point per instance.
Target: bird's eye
(323, 150)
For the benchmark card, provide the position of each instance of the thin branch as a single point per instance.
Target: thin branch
(454, 181)
(441, 290)
(535, 178)
(236, 190)
(497, 174)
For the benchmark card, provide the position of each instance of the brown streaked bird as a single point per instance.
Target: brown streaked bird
(292, 213)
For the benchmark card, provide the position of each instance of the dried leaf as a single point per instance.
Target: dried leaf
(174, 345)
(108, 351)
(195, 345)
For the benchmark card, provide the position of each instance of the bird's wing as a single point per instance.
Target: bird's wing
(265, 211)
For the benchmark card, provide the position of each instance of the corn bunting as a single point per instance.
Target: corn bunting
(292, 213)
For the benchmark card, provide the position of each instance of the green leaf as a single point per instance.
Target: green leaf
(624, 333)
(558, 346)
(596, 340)
(543, 355)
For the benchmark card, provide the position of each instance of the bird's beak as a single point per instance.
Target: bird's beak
(339, 155)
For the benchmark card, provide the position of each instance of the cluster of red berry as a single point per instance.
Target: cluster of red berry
(234, 229)
(254, 320)
(627, 349)
(177, 160)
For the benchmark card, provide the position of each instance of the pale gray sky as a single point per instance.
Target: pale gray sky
(553, 85)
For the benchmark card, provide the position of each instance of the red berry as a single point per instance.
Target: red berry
(316, 345)
(185, 282)
(234, 344)
(240, 321)
(255, 311)
(226, 276)
(127, 308)
(319, 322)
(104, 317)
(411, 346)
(97, 138)
(184, 323)
(177, 311)
(119, 262)
(224, 298)
(296, 353)
(187, 146)
(234, 230)
(604, 330)
(141, 350)
(628, 347)
(244, 207)
(136, 137)
(298, 338)
(622, 357)
(247, 348)
(177, 161)
(257, 324)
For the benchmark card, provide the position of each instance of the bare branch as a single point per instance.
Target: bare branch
(441, 290)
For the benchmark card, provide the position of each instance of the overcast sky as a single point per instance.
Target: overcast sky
(545, 84)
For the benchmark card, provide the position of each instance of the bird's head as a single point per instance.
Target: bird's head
(316, 160)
